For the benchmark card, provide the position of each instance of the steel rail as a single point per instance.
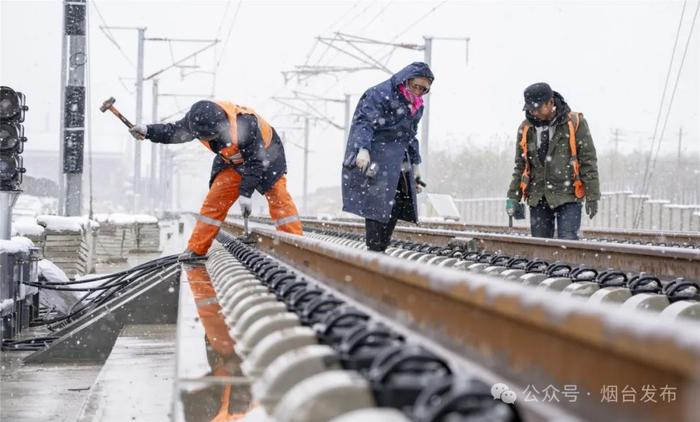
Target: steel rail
(689, 238)
(526, 335)
(661, 261)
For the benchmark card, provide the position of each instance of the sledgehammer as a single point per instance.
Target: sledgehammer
(109, 105)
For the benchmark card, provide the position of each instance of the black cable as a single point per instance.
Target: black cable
(102, 277)
(107, 291)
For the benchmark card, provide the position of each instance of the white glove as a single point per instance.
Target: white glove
(246, 205)
(416, 171)
(416, 176)
(362, 159)
(139, 132)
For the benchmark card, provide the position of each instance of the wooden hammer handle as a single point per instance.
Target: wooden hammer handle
(122, 118)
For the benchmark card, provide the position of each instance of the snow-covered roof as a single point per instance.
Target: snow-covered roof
(15, 245)
(6, 304)
(125, 219)
(63, 224)
(145, 219)
(27, 227)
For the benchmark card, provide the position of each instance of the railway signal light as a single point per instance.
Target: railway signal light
(12, 139)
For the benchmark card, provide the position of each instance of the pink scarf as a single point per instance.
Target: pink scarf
(415, 100)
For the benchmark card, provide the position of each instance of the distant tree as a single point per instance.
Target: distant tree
(39, 187)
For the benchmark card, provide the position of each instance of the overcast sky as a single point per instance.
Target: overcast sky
(609, 59)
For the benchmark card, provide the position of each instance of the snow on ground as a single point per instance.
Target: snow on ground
(49, 271)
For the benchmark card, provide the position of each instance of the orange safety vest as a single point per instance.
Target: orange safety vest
(573, 122)
(231, 153)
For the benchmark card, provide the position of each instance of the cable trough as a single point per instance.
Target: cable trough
(530, 336)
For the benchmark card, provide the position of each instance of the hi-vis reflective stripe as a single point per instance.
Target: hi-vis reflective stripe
(205, 302)
(236, 158)
(285, 220)
(208, 220)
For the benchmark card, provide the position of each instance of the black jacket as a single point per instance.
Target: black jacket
(261, 168)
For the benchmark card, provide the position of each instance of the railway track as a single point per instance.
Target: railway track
(527, 337)
(664, 261)
(643, 237)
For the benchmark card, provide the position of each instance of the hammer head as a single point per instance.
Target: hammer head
(107, 104)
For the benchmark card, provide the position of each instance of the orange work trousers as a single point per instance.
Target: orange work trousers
(223, 193)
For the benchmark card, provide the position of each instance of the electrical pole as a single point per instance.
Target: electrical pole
(347, 117)
(304, 203)
(425, 120)
(136, 181)
(679, 171)
(138, 191)
(73, 105)
(153, 192)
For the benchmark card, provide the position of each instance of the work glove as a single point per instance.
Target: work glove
(139, 132)
(510, 207)
(246, 204)
(591, 208)
(362, 159)
(420, 184)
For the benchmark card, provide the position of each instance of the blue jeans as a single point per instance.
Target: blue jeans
(567, 216)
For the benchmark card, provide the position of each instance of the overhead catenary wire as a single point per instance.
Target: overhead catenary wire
(663, 93)
(675, 87)
(653, 154)
(108, 33)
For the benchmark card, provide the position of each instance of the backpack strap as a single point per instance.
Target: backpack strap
(525, 177)
(574, 123)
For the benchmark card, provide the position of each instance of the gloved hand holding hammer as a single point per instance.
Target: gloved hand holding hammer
(139, 132)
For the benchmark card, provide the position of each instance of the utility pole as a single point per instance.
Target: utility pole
(136, 181)
(347, 117)
(304, 203)
(73, 105)
(153, 192)
(425, 120)
(679, 171)
(138, 190)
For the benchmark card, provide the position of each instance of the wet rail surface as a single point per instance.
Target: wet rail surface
(644, 237)
(663, 261)
(523, 335)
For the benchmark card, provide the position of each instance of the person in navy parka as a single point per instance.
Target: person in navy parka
(380, 176)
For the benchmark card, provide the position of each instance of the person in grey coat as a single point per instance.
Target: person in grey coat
(380, 176)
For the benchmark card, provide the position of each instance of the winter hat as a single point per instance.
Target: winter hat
(207, 120)
(536, 95)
